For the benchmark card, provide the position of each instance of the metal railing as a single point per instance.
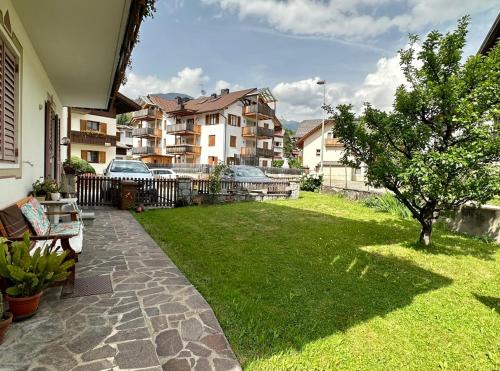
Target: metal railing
(148, 150)
(146, 132)
(261, 109)
(146, 114)
(188, 128)
(183, 148)
(259, 152)
(259, 131)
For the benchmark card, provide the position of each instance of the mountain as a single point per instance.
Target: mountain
(290, 124)
(171, 96)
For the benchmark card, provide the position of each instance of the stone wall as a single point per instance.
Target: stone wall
(483, 221)
(351, 194)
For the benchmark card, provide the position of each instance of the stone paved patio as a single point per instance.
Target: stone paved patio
(154, 320)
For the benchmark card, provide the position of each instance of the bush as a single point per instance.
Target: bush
(277, 163)
(78, 166)
(389, 204)
(311, 182)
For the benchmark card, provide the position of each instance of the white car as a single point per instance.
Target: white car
(164, 173)
(132, 169)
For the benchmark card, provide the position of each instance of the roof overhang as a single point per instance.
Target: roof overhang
(492, 37)
(84, 46)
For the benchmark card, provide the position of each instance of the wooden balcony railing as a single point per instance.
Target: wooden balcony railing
(332, 142)
(91, 137)
(146, 114)
(259, 152)
(146, 132)
(184, 129)
(147, 150)
(262, 110)
(259, 131)
(182, 149)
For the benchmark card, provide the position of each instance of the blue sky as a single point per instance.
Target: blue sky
(195, 45)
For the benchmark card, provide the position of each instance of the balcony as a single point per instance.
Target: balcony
(146, 114)
(146, 133)
(91, 137)
(259, 131)
(189, 128)
(260, 111)
(333, 142)
(183, 149)
(256, 152)
(146, 150)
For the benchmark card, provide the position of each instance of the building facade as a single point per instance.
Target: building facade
(232, 127)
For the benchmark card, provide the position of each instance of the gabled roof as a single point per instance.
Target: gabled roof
(301, 140)
(492, 37)
(306, 126)
(201, 104)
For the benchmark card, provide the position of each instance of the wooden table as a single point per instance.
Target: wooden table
(55, 206)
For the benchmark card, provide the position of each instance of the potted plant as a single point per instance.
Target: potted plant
(5, 320)
(53, 189)
(77, 166)
(27, 276)
(38, 190)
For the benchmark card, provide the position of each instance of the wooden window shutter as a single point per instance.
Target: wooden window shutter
(84, 155)
(8, 140)
(103, 128)
(217, 118)
(239, 121)
(83, 125)
(102, 157)
(232, 141)
(207, 121)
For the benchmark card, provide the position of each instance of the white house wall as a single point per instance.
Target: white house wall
(35, 89)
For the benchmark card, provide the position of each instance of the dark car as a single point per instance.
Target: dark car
(245, 173)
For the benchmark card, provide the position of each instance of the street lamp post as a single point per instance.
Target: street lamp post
(322, 82)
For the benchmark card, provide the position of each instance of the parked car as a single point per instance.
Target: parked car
(132, 169)
(164, 173)
(245, 173)
(128, 169)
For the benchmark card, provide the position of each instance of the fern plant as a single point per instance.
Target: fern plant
(28, 275)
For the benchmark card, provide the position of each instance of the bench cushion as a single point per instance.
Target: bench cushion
(35, 215)
(13, 221)
(76, 244)
(66, 228)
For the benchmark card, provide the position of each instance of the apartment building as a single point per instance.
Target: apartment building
(279, 134)
(93, 133)
(231, 127)
(124, 141)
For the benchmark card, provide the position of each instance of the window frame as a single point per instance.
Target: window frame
(211, 143)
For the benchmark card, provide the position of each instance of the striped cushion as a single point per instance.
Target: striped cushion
(13, 221)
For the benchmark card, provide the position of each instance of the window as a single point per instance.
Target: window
(211, 140)
(190, 121)
(178, 121)
(266, 145)
(8, 101)
(232, 141)
(95, 157)
(212, 160)
(357, 171)
(92, 126)
(233, 120)
(277, 144)
(264, 163)
(266, 125)
(128, 134)
(212, 119)
(318, 152)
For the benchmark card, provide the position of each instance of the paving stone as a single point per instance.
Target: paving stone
(95, 366)
(63, 361)
(129, 286)
(196, 302)
(176, 365)
(215, 342)
(153, 290)
(173, 308)
(191, 329)
(136, 354)
(202, 365)
(209, 319)
(135, 323)
(152, 311)
(198, 350)
(131, 315)
(99, 353)
(155, 299)
(168, 343)
(88, 339)
(159, 323)
(133, 334)
(124, 308)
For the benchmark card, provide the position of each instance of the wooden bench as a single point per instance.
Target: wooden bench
(58, 238)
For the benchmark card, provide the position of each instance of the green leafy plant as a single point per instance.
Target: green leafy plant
(28, 275)
(294, 163)
(214, 179)
(437, 149)
(51, 186)
(38, 188)
(311, 182)
(388, 203)
(277, 163)
(76, 165)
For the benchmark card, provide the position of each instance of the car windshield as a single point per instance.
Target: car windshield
(129, 167)
(248, 172)
(162, 171)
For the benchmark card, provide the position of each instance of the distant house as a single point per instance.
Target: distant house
(55, 53)
(93, 133)
(310, 144)
(232, 127)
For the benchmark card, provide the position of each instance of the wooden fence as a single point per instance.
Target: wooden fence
(102, 191)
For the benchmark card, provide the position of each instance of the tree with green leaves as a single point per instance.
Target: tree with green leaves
(437, 149)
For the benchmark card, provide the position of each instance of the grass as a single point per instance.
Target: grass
(326, 283)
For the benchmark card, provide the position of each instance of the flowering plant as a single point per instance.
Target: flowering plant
(311, 182)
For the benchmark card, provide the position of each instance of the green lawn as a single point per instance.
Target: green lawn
(322, 283)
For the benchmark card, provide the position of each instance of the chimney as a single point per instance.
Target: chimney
(180, 103)
(179, 100)
(213, 96)
(224, 91)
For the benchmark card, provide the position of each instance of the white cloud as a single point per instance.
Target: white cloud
(299, 100)
(352, 19)
(188, 81)
(221, 84)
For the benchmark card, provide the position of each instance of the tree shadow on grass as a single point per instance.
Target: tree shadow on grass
(279, 277)
(489, 301)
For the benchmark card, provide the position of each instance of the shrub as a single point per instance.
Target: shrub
(277, 163)
(76, 165)
(311, 182)
(390, 204)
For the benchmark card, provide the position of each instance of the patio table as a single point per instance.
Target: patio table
(55, 206)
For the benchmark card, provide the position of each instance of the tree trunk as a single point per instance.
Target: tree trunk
(426, 233)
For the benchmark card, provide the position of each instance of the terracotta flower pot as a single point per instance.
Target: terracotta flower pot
(22, 308)
(4, 325)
